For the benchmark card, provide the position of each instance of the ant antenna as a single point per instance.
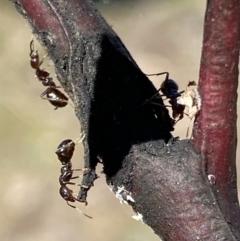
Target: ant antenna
(71, 142)
(157, 74)
(79, 210)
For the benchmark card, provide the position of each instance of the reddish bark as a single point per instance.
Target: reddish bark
(168, 183)
(215, 132)
(43, 19)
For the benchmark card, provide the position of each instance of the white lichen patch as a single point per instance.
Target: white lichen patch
(123, 195)
(110, 187)
(211, 179)
(138, 217)
(129, 198)
(119, 195)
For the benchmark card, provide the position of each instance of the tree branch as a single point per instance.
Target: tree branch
(215, 133)
(160, 177)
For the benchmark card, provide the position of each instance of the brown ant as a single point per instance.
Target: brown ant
(169, 88)
(65, 152)
(53, 95)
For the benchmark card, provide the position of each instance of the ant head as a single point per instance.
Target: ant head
(65, 151)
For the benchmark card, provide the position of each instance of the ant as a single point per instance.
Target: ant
(169, 88)
(53, 95)
(65, 152)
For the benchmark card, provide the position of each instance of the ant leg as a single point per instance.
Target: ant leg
(79, 139)
(74, 177)
(157, 92)
(79, 210)
(154, 96)
(157, 74)
(85, 201)
(154, 103)
(179, 118)
(82, 169)
(76, 184)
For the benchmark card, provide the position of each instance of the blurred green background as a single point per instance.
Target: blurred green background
(161, 36)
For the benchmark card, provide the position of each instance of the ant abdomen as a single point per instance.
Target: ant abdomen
(65, 151)
(55, 97)
(66, 194)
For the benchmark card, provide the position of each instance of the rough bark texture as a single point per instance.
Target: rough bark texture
(163, 179)
(215, 133)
